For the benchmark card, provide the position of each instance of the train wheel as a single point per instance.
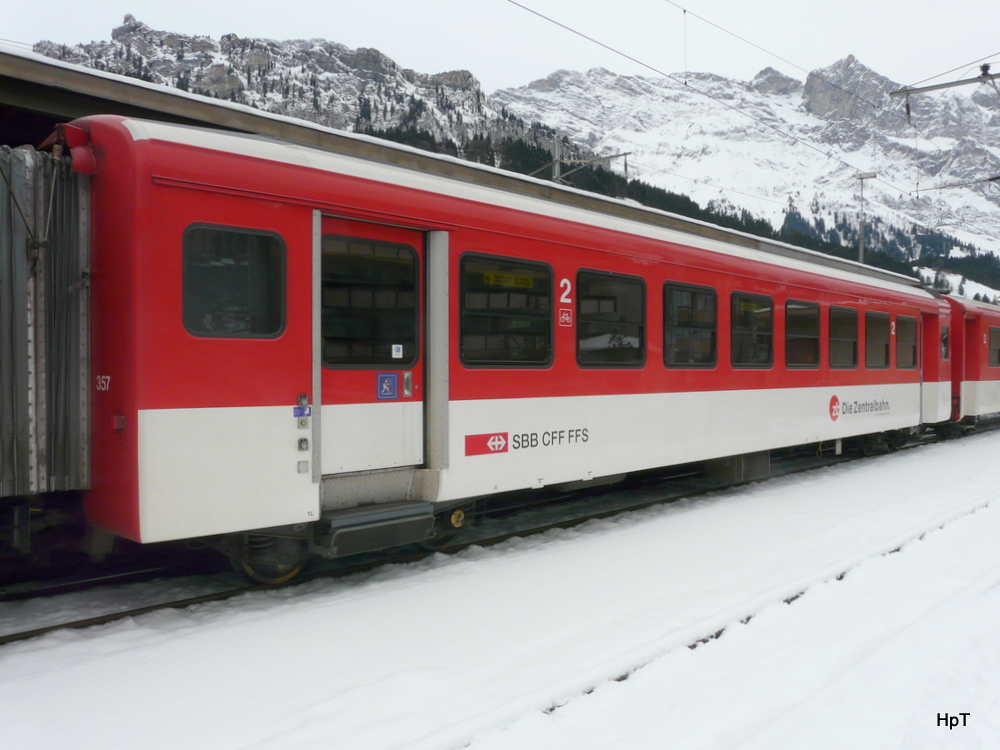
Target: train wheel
(896, 439)
(445, 530)
(268, 559)
(872, 445)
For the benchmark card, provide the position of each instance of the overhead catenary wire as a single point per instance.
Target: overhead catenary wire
(916, 223)
(674, 78)
(966, 66)
(916, 131)
(923, 225)
(834, 84)
(995, 178)
(17, 43)
(734, 35)
(875, 105)
(734, 108)
(703, 92)
(854, 95)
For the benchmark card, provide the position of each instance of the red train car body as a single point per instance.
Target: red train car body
(975, 337)
(286, 339)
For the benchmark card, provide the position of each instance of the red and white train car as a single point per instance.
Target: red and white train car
(331, 349)
(975, 341)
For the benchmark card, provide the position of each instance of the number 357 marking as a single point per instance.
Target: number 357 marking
(104, 382)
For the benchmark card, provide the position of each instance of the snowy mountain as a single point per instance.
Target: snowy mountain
(313, 79)
(785, 150)
(776, 143)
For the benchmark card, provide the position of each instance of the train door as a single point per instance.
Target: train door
(970, 367)
(956, 354)
(935, 383)
(370, 346)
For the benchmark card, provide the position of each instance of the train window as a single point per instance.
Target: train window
(876, 340)
(752, 331)
(369, 303)
(611, 320)
(944, 342)
(843, 337)
(801, 334)
(232, 282)
(906, 342)
(689, 326)
(506, 314)
(994, 347)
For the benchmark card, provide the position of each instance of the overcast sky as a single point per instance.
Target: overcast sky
(505, 45)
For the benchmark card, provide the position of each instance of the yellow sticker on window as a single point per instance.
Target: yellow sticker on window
(496, 278)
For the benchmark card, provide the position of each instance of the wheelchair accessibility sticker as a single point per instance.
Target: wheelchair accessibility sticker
(388, 386)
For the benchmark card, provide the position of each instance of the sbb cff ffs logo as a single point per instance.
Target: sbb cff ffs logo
(491, 442)
(834, 408)
(497, 443)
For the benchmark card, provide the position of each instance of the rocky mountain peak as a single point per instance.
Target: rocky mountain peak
(313, 79)
(849, 90)
(129, 26)
(553, 81)
(770, 81)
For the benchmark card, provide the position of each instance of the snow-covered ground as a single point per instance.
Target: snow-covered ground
(579, 638)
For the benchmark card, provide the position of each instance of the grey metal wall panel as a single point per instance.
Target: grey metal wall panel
(44, 301)
(438, 394)
(65, 292)
(13, 324)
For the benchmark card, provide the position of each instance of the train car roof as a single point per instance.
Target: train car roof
(451, 176)
(971, 305)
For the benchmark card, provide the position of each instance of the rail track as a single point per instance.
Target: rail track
(497, 525)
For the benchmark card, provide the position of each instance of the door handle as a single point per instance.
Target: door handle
(407, 384)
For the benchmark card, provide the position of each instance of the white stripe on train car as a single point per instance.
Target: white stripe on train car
(392, 436)
(555, 440)
(935, 402)
(980, 397)
(218, 470)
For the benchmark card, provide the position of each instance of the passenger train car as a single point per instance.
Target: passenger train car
(296, 351)
(976, 380)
